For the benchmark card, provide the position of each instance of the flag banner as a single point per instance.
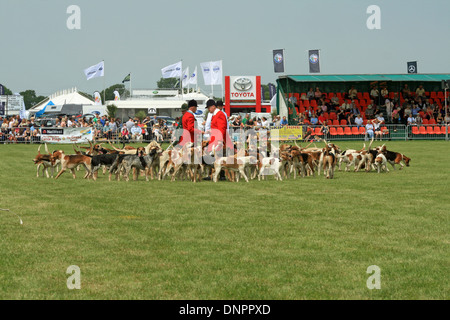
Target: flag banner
(116, 95)
(263, 95)
(412, 67)
(23, 112)
(66, 135)
(314, 61)
(2, 91)
(2, 108)
(278, 60)
(172, 71)
(206, 71)
(217, 74)
(212, 72)
(95, 71)
(127, 78)
(185, 78)
(272, 90)
(193, 77)
(97, 98)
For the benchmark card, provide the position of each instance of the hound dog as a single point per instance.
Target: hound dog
(106, 160)
(300, 162)
(71, 162)
(271, 164)
(236, 164)
(138, 161)
(45, 160)
(395, 158)
(329, 161)
(381, 162)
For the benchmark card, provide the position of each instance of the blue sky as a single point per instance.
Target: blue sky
(39, 52)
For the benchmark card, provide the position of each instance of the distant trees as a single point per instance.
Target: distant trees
(109, 92)
(168, 83)
(30, 98)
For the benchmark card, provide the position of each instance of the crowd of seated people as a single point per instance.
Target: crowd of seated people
(348, 108)
(13, 129)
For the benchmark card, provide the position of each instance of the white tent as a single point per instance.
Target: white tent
(71, 96)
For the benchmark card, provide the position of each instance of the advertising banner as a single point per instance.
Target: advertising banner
(287, 133)
(66, 135)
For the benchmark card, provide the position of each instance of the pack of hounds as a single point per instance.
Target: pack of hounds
(188, 162)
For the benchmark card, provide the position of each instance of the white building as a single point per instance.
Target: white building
(157, 102)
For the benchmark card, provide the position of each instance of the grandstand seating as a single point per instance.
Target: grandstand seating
(347, 131)
(333, 131)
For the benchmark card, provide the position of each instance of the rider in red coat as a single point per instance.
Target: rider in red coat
(188, 123)
(218, 126)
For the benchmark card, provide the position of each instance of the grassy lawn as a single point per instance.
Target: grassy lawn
(308, 238)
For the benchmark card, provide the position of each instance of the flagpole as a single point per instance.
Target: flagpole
(130, 85)
(104, 87)
(221, 80)
(181, 79)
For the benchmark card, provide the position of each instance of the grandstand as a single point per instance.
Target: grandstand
(334, 90)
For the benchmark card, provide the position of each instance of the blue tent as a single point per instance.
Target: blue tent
(41, 112)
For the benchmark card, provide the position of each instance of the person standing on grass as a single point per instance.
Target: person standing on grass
(189, 124)
(218, 126)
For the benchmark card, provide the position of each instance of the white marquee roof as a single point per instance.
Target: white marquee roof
(71, 96)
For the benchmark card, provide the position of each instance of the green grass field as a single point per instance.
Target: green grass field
(308, 238)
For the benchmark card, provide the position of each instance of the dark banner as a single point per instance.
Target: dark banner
(2, 92)
(412, 67)
(272, 90)
(52, 131)
(314, 61)
(278, 60)
(2, 108)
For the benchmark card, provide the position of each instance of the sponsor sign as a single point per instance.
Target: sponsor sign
(287, 133)
(15, 103)
(66, 135)
(243, 88)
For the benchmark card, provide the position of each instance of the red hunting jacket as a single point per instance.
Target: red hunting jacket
(218, 129)
(189, 130)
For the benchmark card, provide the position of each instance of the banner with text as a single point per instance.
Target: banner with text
(66, 135)
(287, 133)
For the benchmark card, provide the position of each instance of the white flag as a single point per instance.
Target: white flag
(216, 74)
(95, 71)
(206, 71)
(212, 72)
(97, 98)
(185, 77)
(116, 95)
(172, 71)
(193, 77)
